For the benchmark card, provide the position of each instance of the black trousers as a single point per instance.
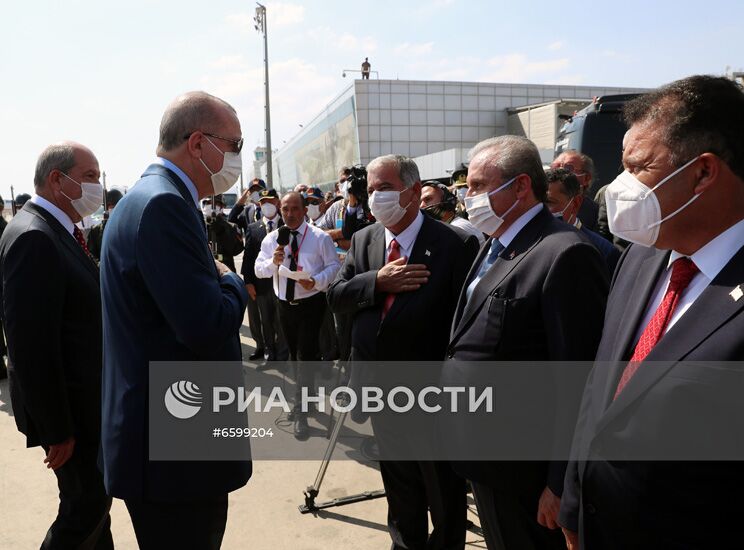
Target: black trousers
(301, 326)
(414, 487)
(197, 525)
(273, 337)
(83, 519)
(510, 522)
(254, 321)
(328, 339)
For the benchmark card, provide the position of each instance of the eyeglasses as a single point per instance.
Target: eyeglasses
(238, 143)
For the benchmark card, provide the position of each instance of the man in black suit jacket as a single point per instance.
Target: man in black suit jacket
(52, 314)
(665, 389)
(402, 309)
(262, 312)
(536, 292)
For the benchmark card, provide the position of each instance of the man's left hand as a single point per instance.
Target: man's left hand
(307, 284)
(547, 509)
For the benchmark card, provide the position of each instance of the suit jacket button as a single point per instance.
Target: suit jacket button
(590, 509)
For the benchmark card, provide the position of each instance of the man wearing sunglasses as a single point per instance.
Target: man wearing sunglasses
(166, 298)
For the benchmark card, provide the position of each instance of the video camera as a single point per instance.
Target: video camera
(357, 182)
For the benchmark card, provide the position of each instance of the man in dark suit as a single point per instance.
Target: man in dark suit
(262, 311)
(665, 389)
(165, 298)
(536, 292)
(52, 315)
(565, 200)
(582, 166)
(400, 280)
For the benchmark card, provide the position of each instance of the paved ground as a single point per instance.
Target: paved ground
(262, 515)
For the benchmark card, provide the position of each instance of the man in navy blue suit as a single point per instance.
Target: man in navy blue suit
(166, 299)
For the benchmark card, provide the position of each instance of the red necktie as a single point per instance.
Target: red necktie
(683, 270)
(78, 234)
(392, 256)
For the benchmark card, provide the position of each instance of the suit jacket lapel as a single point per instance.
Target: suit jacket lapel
(713, 308)
(508, 259)
(462, 300)
(376, 248)
(421, 246)
(66, 238)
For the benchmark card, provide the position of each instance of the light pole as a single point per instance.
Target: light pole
(260, 26)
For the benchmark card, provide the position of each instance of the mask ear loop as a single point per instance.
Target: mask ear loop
(693, 199)
(670, 176)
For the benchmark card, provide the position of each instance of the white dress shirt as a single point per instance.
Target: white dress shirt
(710, 260)
(317, 256)
(406, 238)
(508, 236)
(58, 214)
(274, 223)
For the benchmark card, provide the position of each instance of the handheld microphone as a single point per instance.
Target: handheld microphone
(283, 236)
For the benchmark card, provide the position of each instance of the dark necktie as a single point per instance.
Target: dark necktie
(78, 234)
(392, 256)
(292, 267)
(271, 226)
(683, 270)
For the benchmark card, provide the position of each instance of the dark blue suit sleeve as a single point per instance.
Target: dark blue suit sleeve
(236, 218)
(203, 310)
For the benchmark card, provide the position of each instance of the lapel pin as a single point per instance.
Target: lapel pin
(737, 293)
(427, 253)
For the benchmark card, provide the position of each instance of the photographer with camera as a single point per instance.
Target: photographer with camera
(224, 238)
(438, 202)
(344, 217)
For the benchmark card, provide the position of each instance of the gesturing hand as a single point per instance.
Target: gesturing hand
(59, 454)
(279, 255)
(396, 277)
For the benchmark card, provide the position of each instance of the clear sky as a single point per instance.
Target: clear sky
(101, 72)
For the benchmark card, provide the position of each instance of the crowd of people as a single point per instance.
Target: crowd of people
(506, 261)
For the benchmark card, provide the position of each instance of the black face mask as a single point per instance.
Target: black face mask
(436, 211)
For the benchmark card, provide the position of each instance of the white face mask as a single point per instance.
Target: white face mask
(345, 191)
(481, 214)
(268, 210)
(232, 166)
(385, 207)
(91, 199)
(461, 192)
(313, 210)
(634, 212)
(562, 213)
(254, 197)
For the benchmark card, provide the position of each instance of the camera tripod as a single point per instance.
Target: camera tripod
(313, 490)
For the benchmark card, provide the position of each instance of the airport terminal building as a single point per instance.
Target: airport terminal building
(434, 122)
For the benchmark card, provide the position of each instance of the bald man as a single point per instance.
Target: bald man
(51, 308)
(166, 298)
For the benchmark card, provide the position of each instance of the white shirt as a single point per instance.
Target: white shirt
(58, 214)
(710, 260)
(316, 255)
(518, 225)
(405, 238)
(466, 225)
(274, 223)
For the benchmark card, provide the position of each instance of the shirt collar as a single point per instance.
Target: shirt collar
(267, 220)
(181, 174)
(301, 228)
(406, 237)
(713, 257)
(58, 214)
(508, 236)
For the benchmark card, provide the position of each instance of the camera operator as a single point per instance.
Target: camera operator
(438, 202)
(247, 209)
(344, 217)
(224, 238)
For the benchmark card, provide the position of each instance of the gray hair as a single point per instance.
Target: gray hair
(514, 155)
(408, 172)
(188, 113)
(586, 161)
(60, 157)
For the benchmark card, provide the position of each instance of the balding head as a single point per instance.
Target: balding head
(62, 156)
(293, 209)
(189, 112)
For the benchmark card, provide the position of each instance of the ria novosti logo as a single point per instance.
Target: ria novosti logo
(183, 399)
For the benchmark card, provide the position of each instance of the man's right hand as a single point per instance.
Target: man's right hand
(572, 539)
(59, 454)
(279, 255)
(251, 291)
(396, 277)
(244, 197)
